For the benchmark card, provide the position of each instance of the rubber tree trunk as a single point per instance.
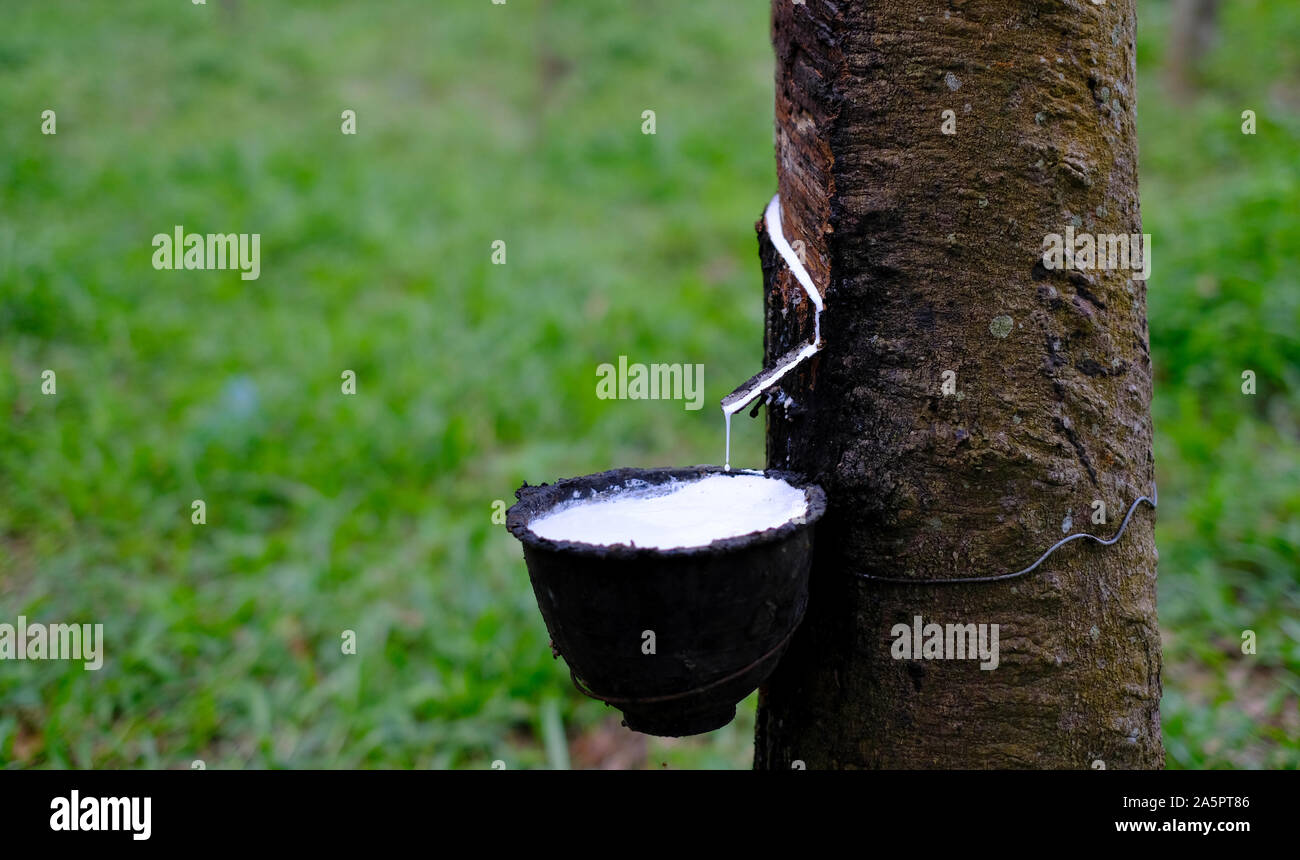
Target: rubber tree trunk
(929, 249)
(1193, 29)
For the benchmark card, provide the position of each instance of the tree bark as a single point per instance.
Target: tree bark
(928, 248)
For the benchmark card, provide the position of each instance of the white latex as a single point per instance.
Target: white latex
(679, 515)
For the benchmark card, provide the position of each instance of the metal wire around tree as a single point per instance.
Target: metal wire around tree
(1042, 558)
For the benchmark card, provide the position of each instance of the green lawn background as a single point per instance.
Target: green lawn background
(373, 513)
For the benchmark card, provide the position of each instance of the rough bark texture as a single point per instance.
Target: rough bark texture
(922, 240)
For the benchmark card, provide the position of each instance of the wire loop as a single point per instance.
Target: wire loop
(613, 700)
(1155, 494)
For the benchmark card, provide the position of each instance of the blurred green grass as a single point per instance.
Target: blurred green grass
(373, 513)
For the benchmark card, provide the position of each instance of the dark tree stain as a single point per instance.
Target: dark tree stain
(916, 672)
(924, 317)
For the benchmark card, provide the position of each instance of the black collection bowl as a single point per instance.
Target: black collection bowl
(721, 615)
